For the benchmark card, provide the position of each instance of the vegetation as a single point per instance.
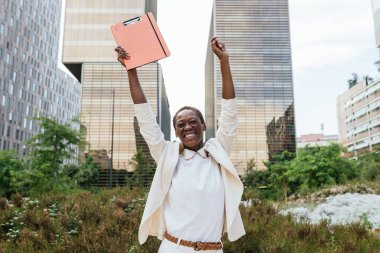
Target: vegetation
(45, 209)
(315, 167)
(353, 81)
(44, 170)
(312, 168)
(49, 149)
(278, 172)
(143, 171)
(369, 165)
(87, 173)
(108, 220)
(8, 164)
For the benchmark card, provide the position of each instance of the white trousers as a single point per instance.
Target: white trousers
(170, 247)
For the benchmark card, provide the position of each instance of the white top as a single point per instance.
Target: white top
(194, 205)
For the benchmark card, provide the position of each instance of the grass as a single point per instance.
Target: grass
(108, 220)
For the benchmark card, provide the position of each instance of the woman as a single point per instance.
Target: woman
(195, 193)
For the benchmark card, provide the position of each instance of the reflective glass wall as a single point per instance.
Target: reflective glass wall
(106, 101)
(257, 37)
(31, 83)
(88, 51)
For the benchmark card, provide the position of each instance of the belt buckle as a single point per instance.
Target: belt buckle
(197, 246)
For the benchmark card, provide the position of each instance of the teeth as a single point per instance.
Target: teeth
(189, 135)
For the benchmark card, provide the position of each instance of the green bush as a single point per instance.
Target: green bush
(310, 169)
(369, 165)
(88, 172)
(9, 163)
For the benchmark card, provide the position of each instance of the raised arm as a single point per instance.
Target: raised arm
(149, 128)
(137, 93)
(218, 47)
(227, 123)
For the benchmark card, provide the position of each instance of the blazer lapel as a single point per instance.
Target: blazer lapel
(216, 150)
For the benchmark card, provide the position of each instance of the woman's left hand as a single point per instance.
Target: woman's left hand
(219, 48)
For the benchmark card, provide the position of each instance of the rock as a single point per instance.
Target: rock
(341, 209)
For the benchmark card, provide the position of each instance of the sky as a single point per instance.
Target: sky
(330, 40)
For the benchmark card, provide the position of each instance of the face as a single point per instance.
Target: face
(189, 129)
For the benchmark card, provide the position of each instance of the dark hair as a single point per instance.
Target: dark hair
(186, 107)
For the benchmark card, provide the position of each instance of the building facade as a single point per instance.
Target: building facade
(359, 116)
(31, 83)
(316, 140)
(258, 39)
(107, 108)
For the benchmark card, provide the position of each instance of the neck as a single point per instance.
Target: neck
(195, 148)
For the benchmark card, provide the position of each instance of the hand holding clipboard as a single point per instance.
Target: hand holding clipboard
(142, 39)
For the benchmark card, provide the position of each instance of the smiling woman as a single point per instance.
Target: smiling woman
(189, 126)
(195, 194)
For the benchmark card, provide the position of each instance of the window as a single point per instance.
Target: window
(10, 91)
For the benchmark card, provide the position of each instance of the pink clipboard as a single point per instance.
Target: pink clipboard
(142, 39)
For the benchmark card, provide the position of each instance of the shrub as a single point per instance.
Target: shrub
(3, 203)
(108, 221)
(369, 165)
(9, 164)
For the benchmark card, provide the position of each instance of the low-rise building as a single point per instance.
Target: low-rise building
(359, 116)
(316, 140)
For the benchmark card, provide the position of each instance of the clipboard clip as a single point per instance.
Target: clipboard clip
(131, 21)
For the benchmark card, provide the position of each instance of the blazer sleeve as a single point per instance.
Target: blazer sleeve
(150, 130)
(227, 124)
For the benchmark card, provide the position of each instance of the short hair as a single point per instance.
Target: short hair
(186, 107)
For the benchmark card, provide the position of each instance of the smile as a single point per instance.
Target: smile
(191, 135)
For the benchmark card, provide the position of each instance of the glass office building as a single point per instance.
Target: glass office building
(258, 39)
(107, 116)
(31, 83)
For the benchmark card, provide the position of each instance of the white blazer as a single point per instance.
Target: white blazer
(166, 155)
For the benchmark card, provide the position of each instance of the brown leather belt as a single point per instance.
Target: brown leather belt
(195, 245)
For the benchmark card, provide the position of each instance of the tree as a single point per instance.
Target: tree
(249, 173)
(318, 166)
(143, 170)
(88, 172)
(369, 165)
(279, 169)
(49, 149)
(8, 163)
(352, 82)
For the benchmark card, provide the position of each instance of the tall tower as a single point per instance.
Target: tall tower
(31, 83)
(257, 37)
(107, 109)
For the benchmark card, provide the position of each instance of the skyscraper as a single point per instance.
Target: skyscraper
(107, 109)
(31, 83)
(258, 38)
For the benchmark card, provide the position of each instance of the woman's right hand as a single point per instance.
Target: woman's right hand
(121, 55)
